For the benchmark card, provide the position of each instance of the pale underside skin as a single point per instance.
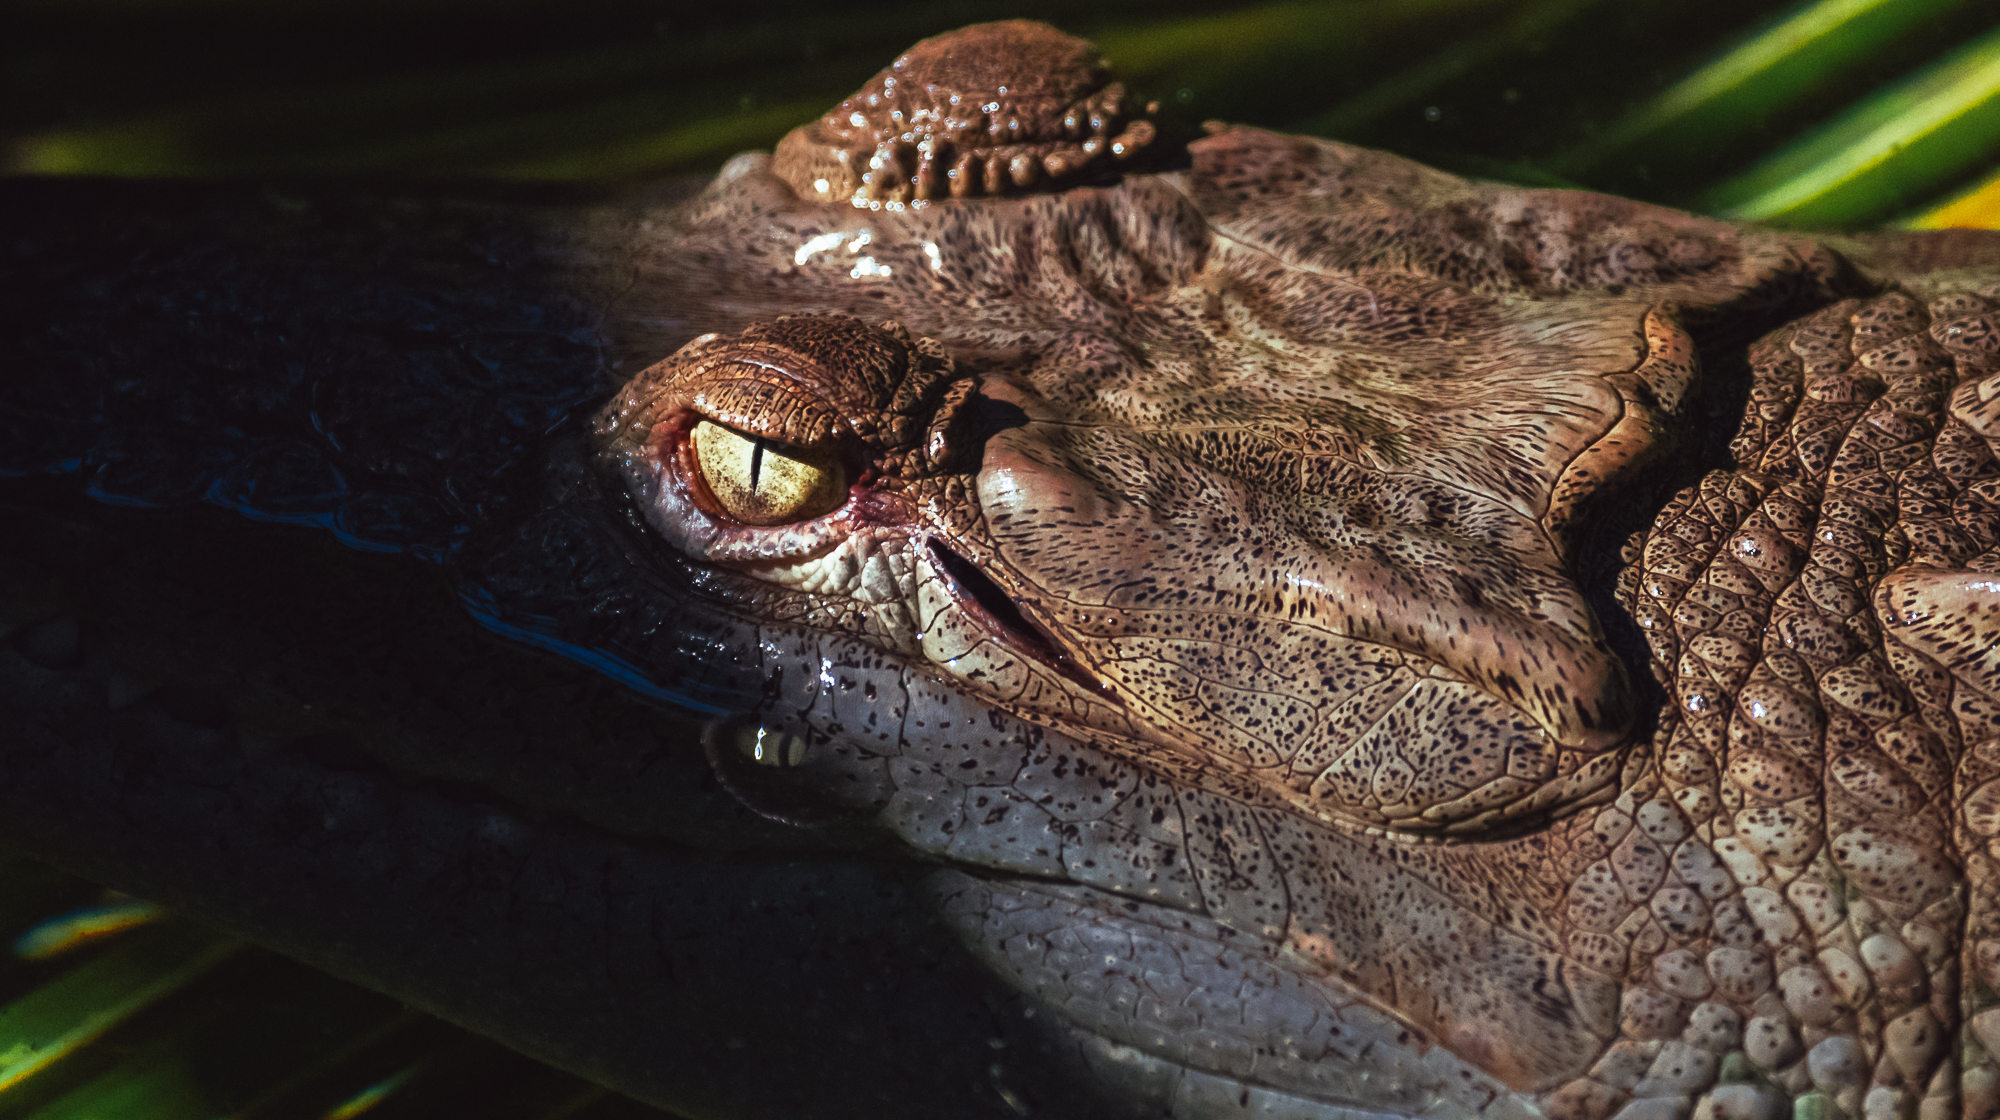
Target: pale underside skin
(1346, 806)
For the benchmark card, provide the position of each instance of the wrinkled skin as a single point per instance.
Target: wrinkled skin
(1341, 637)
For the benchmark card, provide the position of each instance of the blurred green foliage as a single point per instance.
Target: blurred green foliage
(162, 1020)
(1680, 101)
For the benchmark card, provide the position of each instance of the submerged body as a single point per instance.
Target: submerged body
(1338, 636)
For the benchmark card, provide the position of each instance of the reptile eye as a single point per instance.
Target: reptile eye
(762, 482)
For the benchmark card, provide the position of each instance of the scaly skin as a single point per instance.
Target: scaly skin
(1792, 884)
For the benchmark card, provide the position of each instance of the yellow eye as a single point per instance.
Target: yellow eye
(760, 482)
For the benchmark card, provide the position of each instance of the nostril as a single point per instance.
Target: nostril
(972, 588)
(968, 582)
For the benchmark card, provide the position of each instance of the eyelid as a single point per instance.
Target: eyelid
(763, 402)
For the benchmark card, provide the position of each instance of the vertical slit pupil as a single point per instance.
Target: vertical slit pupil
(756, 462)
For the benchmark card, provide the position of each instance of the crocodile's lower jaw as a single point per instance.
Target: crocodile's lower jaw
(1186, 1016)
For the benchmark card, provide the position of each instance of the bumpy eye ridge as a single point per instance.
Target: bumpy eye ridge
(759, 481)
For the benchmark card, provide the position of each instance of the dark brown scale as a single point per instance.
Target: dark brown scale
(809, 380)
(1009, 107)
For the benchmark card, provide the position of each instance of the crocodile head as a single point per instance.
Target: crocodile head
(1210, 562)
(1332, 638)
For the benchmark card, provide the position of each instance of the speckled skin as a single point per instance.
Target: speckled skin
(1308, 778)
